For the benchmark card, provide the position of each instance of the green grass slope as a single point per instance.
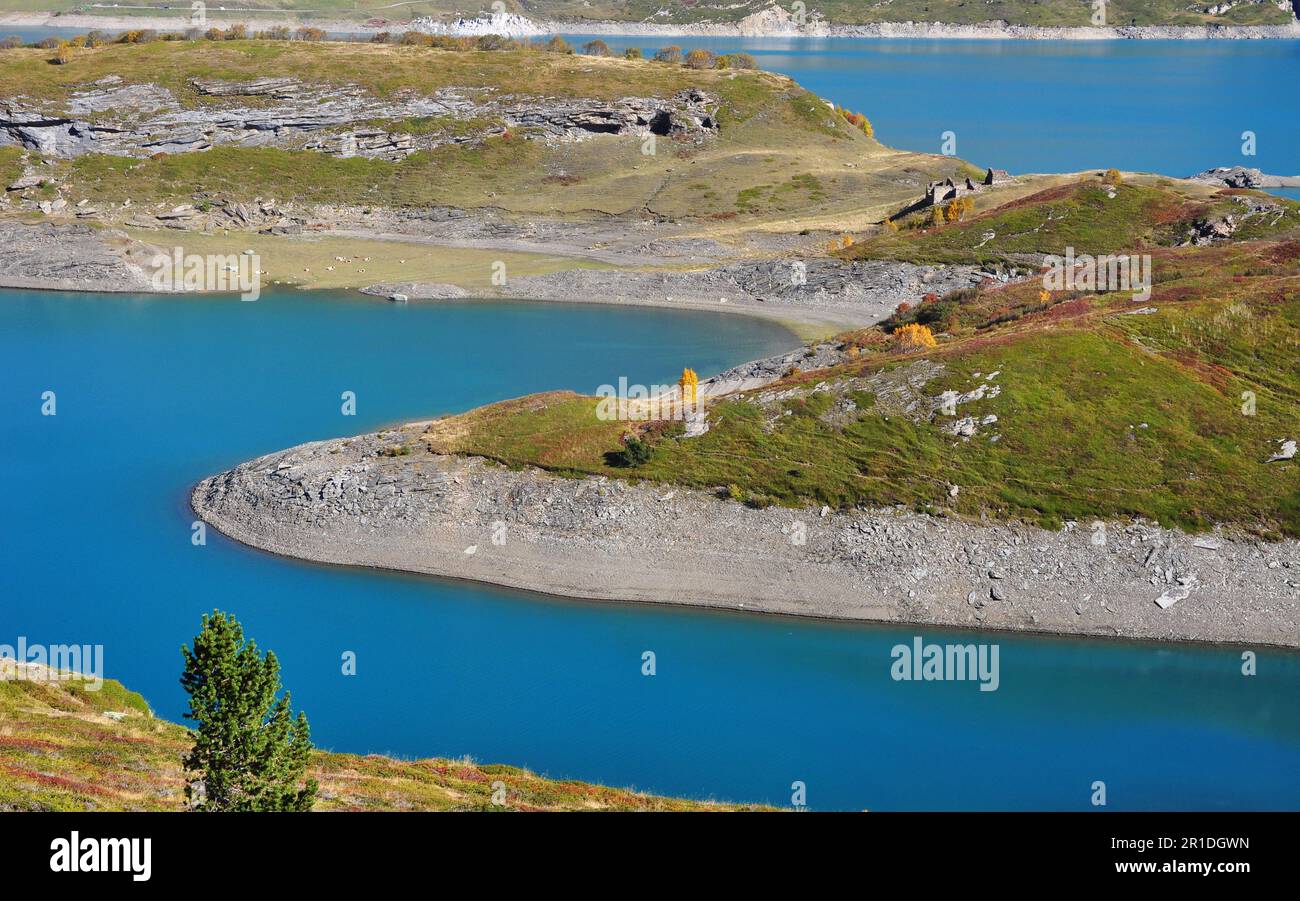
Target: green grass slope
(1090, 216)
(1101, 411)
(60, 752)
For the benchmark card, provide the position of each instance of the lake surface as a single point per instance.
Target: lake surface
(154, 394)
(1173, 107)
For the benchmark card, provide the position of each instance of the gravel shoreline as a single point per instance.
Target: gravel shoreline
(345, 502)
(829, 296)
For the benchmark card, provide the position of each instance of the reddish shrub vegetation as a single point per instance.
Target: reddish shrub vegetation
(1284, 252)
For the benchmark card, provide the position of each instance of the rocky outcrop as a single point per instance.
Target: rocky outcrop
(510, 25)
(143, 119)
(690, 113)
(1215, 230)
(383, 500)
(70, 257)
(279, 88)
(1243, 177)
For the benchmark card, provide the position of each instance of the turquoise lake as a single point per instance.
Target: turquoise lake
(1173, 107)
(154, 394)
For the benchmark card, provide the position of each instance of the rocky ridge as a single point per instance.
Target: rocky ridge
(109, 116)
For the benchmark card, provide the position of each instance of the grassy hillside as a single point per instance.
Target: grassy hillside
(1088, 215)
(779, 151)
(851, 12)
(1101, 411)
(58, 751)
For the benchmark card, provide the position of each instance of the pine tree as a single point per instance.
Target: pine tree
(249, 751)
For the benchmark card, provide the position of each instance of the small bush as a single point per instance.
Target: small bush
(596, 48)
(914, 337)
(671, 54)
(633, 53)
(1112, 177)
(857, 120)
(635, 452)
(699, 59)
(736, 61)
(494, 42)
(140, 36)
(558, 44)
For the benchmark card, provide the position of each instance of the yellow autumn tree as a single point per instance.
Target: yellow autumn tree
(955, 209)
(913, 337)
(690, 384)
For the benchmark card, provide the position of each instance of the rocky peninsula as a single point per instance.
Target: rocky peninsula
(351, 502)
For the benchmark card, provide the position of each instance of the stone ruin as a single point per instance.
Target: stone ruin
(937, 192)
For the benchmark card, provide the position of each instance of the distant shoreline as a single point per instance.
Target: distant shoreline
(886, 30)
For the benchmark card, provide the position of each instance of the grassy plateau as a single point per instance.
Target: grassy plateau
(780, 153)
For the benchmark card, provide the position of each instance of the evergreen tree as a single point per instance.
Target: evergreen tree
(249, 751)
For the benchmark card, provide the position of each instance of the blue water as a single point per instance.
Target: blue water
(1173, 107)
(154, 394)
